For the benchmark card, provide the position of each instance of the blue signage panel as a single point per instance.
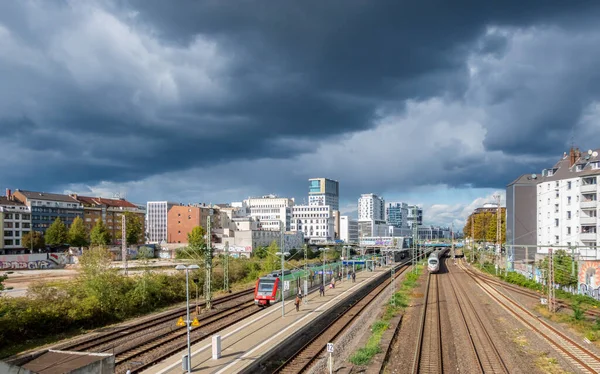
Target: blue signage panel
(356, 262)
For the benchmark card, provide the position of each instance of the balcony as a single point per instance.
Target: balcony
(588, 236)
(584, 220)
(588, 204)
(589, 188)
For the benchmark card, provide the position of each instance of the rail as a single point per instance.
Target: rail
(428, 354)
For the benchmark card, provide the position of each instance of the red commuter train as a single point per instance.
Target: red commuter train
(265, 291)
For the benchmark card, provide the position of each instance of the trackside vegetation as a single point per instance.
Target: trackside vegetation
(396, 305)
(101, 295)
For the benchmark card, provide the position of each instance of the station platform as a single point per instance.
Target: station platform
(249, 339)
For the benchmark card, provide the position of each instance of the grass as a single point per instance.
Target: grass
(586, 328)
(397, 303)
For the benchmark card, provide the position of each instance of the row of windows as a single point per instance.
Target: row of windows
(48, 203)
(10, 234)
(585, 197)
(17, 216)
(311, 215)
(16, 225)
(10, 242)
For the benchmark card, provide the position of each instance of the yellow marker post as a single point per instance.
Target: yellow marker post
(180, 322)
(195, 322)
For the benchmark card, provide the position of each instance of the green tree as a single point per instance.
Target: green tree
(134, 228)
(99, 234)
(272, 261)
(77, 233)
(196, 238)
(57, 233)
(565, 269)
(38, 240)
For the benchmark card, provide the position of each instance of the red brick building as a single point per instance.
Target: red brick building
(181, 220)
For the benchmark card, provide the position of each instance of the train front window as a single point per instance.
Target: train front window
(433, 262)
(266, 286)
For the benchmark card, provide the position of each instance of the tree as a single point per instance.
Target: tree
(565, 269)
(134, 228)
(100, 234)
(272, 261)
(38, 240)
(196, 238)
(57, 233)
(77, 233)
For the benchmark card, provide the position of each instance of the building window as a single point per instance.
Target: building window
(556, 239)
(568, 200)
(568, 214)
(556, 222)
(557, 194)
(568, 230)
(555, 208)
(569, 185)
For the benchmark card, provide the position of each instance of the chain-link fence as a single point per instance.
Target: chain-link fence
(575, 270)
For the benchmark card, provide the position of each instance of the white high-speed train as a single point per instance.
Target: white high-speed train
(433, 262)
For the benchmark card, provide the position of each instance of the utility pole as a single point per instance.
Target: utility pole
(208, 263)
(551, 303)
(498, 235)
(472, 237)
(305, 298)
(124, 241)
(453, 254)
(226, 268)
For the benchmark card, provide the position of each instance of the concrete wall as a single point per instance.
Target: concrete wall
(33, 261)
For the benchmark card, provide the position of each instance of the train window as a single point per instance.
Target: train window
(266, 286)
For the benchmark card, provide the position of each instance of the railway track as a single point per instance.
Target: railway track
(526, 292)
(428, 355)
(483, 347)
(105, 341)
(137, 357)
(579, 356)
(315, 347)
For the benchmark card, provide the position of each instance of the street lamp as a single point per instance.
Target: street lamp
(282, 254)
(324, 250)
(187, 298)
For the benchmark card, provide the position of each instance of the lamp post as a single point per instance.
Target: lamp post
(282, 254)
(324, 250)
(187, 299)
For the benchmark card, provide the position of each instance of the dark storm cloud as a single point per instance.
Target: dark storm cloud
(290, 70)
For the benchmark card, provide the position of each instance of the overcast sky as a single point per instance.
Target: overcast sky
(440, 103)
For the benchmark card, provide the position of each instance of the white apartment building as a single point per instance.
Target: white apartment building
(156, 220)
(371, 215)
(371, 207)
(348, 230)
(15, 220)
(316, 222)
(415, 216)
(270, 211)
(567, 204)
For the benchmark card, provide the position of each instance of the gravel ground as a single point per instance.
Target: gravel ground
(522, 350)
(506, 332)
(403, 350)
(531, 342)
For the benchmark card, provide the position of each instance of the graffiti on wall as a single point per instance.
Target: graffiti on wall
(33, 261)
(589, 279)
